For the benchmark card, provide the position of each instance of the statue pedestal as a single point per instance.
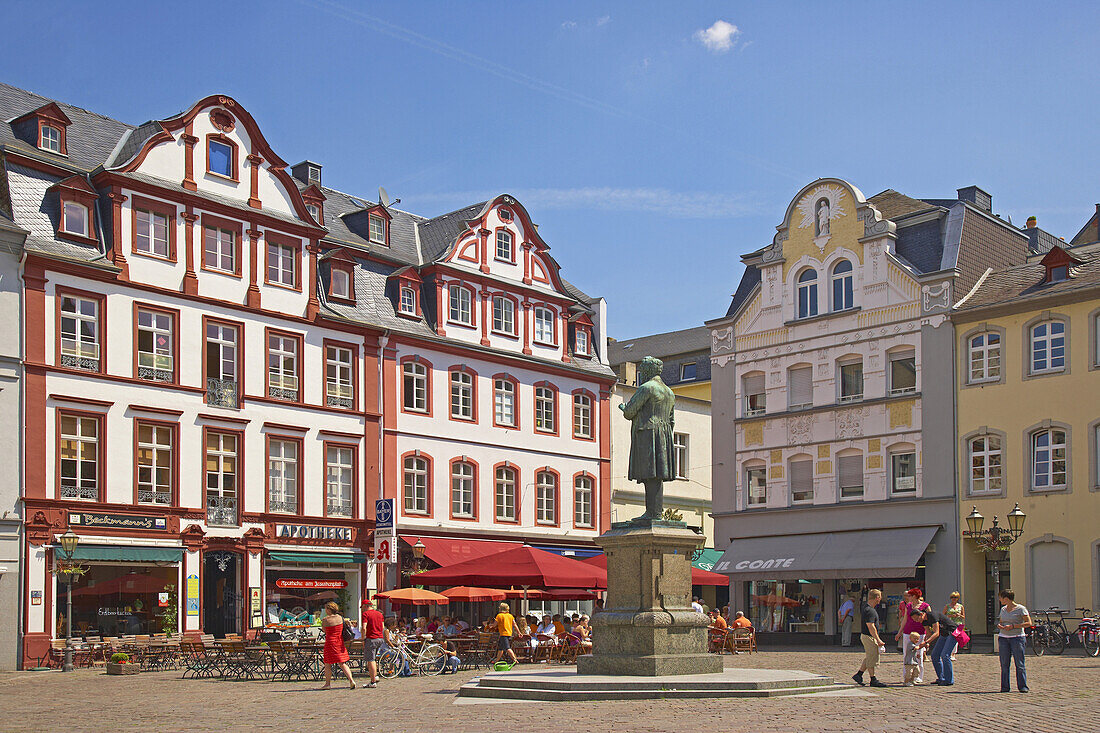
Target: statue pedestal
(647, 627)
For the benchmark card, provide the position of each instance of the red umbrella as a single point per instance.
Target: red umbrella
(521, 566)
(698, 575)
(531, 594)
(474, 595)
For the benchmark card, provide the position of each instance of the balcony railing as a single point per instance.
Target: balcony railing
(221, 392)
(279, 504)
(149, 496)
(339, 508)
(154, 367)
(338, 395)
(282, 387)
(80, 355)
(221, 511)
(74, 491)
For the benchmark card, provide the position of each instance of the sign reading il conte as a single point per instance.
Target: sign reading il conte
(313, 532)
(778, 562)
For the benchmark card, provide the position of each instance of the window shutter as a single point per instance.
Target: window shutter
(801, 386)
(802, 475)
(851, 471)
(754, 384)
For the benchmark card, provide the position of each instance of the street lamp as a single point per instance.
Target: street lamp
(68, 542)
(996, 540)
(418, 553)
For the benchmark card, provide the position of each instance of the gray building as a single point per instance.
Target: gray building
(833, 403)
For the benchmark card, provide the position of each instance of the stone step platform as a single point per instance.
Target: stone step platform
(564, 684)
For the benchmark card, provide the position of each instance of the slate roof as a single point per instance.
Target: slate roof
(1025, 283)
(1040, 240)
(89, 139)
(438, 234)
(38, 214)
(660, 345)
(894, 205)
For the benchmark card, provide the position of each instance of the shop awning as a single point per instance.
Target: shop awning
(870, 553)
(707, 557)
(123, 553)
(575, 552)
(445, 551)
(329, 558)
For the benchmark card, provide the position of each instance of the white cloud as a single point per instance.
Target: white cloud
(675, 204)
(569, 24)
(720, 37)
(604, 20)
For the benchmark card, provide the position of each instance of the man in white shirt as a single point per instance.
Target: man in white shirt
(845, 616)
(697, 606)
(546, 627)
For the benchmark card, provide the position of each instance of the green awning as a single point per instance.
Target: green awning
(332, 558)
(123, 553)
(707, 558)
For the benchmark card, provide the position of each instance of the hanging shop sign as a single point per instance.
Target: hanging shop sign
(117, 521)
(385, 546)
(192, 595)
(309, 583)
(312, 532)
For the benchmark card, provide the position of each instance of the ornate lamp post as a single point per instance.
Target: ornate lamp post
(996, 540)
(68, 542)
(418, 554)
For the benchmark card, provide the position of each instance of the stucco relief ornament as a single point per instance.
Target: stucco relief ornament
(849, 424)
(222, 120)
(721, 339)
(935, 297)
(819, 208)
(799, 429)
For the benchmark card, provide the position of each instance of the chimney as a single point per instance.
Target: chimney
(307, 172)
(978, 197)
(1032, 222)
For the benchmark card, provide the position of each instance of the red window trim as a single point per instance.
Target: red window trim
(375, 214)
(239, 480)
(211, 221)
(299, 471)
(62, 128)
(140, 203)
(297, 337)
(172, 313)
(235, 162)
(515, 404)
(283, 240)
(101, 438)
(429, 488)
(536, 260)
(86, 199)
(402, 285)
(473, 393)
(349, 270)
(175, 429)
(557, 408)
(593, 504)
(516, 494)
(427, 386)
(101, 316)
(450, 489)
(354, 476)
(473, 305)
(239, 327)
(578, 328)
(591, 415)
(557, 498)
(325, 343)
(514, 238)
(516, 311)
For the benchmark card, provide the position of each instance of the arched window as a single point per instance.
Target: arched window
(807, 293)
(582, 415)
(461, 304)
(416, 485)
(842, 285)
(415, 386)
(1048, 460)
(75, 219)
(849, 470)
(546, 409)
(1048, 347)
(504, 245)
(544, 326)
(462, 489)
(986, 464)
(985, 357)
(505, 494)
(756, 483)
(582, 501)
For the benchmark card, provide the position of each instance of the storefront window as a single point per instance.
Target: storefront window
(112, 600)
(787, 605)
(295, 597)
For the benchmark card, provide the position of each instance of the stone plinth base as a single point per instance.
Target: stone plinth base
(647, 627)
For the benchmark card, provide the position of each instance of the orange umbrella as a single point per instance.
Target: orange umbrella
(474, 595)
(531, 594)
(413, 597)
(773, 600)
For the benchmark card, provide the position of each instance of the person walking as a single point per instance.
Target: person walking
(913, 602)
(1011, 623)
(335, 652)
(505, 627)
(846, 616)
(941, 641)
(373, 626)
(868, 636)
(955, 611)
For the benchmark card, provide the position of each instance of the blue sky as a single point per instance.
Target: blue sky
(654, 143)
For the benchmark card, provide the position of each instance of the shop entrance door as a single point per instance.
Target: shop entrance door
(992, 603)
(222, 599)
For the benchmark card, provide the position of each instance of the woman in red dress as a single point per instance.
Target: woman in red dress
(335, 652)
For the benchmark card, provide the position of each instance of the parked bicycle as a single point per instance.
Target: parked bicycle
(1054, 636)
(1088, 632)
(1040, 636)
(429, 659)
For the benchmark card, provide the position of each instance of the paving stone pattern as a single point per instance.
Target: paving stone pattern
(1065, 698)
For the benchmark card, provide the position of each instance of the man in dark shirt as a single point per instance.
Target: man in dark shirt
(941, 641)
(868, 636)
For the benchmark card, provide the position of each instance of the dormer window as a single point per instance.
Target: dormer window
(340, 284)
(74, 219)
(50, 139)
(581, 342)
(377, 231)
(314, 211)
(221, 158)
(504, 246)
(1058, 263)
(408, 300)
(1060, 273)
(313, 173)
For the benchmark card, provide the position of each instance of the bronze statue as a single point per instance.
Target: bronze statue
(652, 457)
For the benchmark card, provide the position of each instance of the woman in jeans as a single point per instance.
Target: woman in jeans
(914, 602)
(1011, 623)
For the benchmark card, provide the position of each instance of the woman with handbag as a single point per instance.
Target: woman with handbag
(337, 632)
(955, 611)
(941, 641)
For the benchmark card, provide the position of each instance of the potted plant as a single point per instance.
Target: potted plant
(120, 663)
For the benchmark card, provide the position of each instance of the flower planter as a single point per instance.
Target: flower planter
(122, 668)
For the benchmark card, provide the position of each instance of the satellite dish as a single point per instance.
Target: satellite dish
(383, 197)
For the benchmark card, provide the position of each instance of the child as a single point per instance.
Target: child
(505, 623)
(910, 659)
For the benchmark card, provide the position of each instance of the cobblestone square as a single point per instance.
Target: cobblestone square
(1065, 696)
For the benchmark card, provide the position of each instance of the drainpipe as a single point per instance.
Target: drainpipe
(19, 512)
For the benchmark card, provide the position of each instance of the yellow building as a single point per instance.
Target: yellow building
(1028, 412)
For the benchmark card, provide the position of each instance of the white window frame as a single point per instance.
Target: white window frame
(845, 279)
(895, 358)
(545, 332)
(49, 143)
(228, 449)
(546, 409)
(855, 397)
(462, 489)
(683, 371)
(407, 301)
(895, 458)
(546, 490)
(504, 315)
(985, 465)
(504, 402)
(339, 382)
(681, 449)
(282, 364)
(462, 395)
(339, 481)
(580, 341)
(1049, 342)
(282, 476)
(155, 240)
(229, 157)
(582, 501)
(582, 416)
(160, 361)
(219, 340)
(1053, 448)
(285, 270)
(791, 404)
(802, 490)
(376, 229)
(340, 283)
(155, 456)
(806, 290)
(223, 251)
(984, 360)
(314, 211)
(76, 341)
(840, 482)
(460, 300)
(417, 374)
(762, 471)
(505, 245)
(761, 408)
(415, 485)
(85, 449)
(74, 207)
(504, 493)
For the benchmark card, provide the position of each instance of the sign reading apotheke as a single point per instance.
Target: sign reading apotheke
(312, 532)
(119, 521)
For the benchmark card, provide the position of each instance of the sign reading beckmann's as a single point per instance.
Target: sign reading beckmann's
(778, 562)
(312, 532)
(118, 521)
